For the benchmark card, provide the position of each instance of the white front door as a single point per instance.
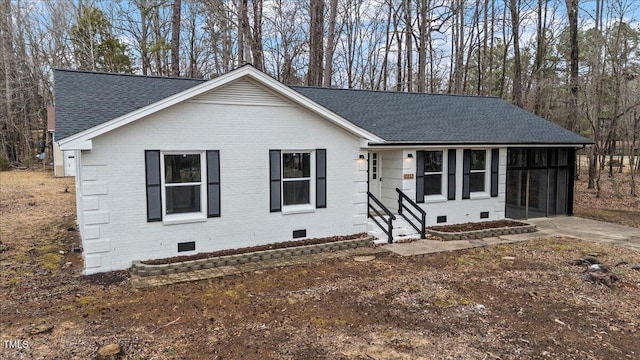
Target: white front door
(375, 173)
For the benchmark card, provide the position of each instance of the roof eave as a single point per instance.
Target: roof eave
(416, 144)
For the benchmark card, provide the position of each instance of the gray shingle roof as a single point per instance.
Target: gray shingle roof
(85, 99)
(439, 118)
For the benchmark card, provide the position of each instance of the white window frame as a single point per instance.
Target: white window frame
(300, 208)
(189, 217)
(443, 179)
(484, 193)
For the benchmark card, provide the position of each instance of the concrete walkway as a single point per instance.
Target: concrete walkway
(591, 230)
(568, 226)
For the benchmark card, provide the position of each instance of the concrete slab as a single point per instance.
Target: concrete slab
(591, 230)
(568, 226)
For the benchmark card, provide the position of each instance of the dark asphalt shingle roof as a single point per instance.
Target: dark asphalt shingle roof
(86, 99)
(440, 118)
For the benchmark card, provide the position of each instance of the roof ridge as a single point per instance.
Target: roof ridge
(127, 75)
(396, 92)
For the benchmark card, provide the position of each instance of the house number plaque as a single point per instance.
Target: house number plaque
(408, 176)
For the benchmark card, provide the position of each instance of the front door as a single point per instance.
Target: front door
(375, 173)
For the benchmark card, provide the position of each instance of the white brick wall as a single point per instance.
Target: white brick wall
(114, 193)
(459, 210)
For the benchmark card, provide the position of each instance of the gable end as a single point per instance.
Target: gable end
(241, 92)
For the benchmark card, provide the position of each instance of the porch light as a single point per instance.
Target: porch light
(361, 157)
(410, 156)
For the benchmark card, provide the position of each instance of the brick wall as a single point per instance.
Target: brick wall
(113, 193)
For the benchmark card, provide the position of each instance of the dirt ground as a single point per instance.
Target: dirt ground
(517, 301)
(615, 203)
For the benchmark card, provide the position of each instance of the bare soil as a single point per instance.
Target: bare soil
(512, 301)
(615, 204)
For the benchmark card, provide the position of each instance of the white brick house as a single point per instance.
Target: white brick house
(244, 160)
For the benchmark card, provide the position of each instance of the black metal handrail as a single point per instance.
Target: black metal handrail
(388, 222)
(403, 207)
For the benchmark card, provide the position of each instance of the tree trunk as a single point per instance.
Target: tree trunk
(144, 37)
(331, 47)
(539, 59)
(572, 13)
(241, 31)
(485, 56)
(175, 38)
(458, 73)
(399, 79)
(422, 44)
(516, 94)
(408, 44)
(257, 54)
(7, 53)
(491, 51)
(384, 74)
(193, 61)
(316, 43)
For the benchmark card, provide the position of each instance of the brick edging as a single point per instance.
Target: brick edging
(141, 269)
(481, 234)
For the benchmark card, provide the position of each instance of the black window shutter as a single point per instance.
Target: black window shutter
(154, 194)
(274, 181)
(321, 178)
(419, 176)
(451, 175)
(466, 173)
(213, 183)
(495, 162)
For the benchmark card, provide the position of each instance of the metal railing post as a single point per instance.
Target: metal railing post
(423, 214)
(389, 221)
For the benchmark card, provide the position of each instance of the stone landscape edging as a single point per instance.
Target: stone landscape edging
(141, 269)
(484, 233)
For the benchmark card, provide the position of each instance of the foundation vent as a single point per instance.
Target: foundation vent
(299, 233)
(186, 246)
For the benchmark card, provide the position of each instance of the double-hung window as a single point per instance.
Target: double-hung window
(433, 172)
(182, 186)
(296, 178)
(183, 183)
(435, 175)
(478, 172)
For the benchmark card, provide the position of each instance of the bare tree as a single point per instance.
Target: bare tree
(572, 13)
(331, 47)
(316, 42)
(408, 26)
(516, 92)
(8, 123)
(175, 37)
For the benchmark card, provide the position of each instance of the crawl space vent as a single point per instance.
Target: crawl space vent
(186, 246)
(299, 233)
